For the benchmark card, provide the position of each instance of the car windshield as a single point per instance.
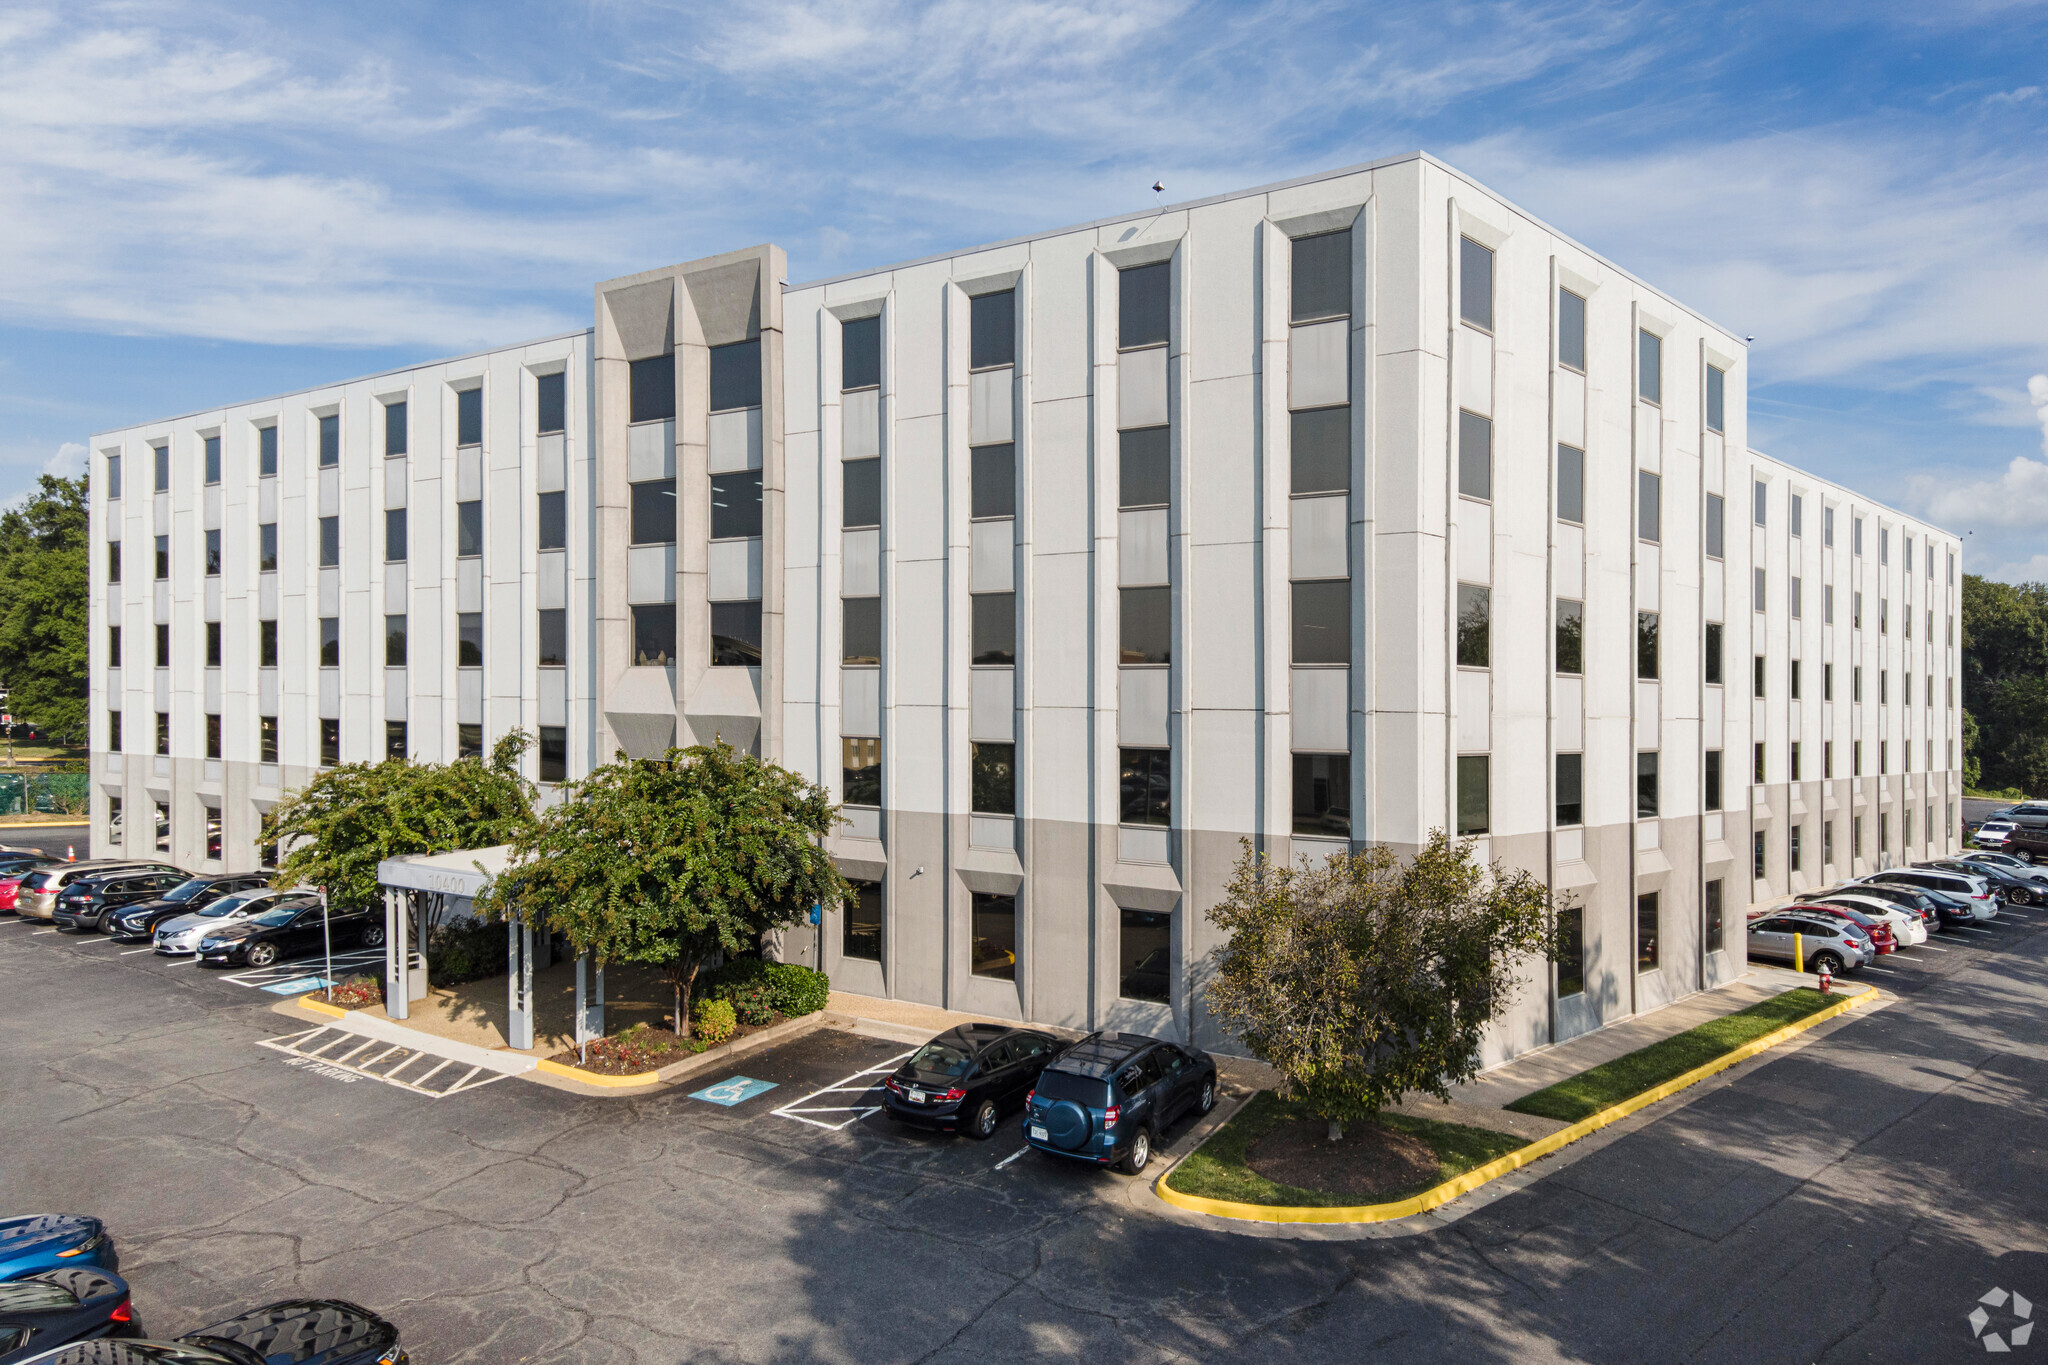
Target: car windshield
(229, 905)
(185, 891)
(1064, 1085)
(942, 1058)
(272, 919)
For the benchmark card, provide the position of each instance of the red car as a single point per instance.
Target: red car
(10, 882)
(1881, 936)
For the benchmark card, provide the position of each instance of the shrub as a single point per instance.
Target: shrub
(797, 989)
(714, 1021)
(465, 951)
(735, 973)
(356, 993)
(752, 1003)
(751, 983)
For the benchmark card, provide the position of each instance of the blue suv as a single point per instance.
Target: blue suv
(1109, 1097)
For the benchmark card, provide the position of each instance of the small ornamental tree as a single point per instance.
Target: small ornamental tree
(336, 829)
(1369, 977)
(667, 861)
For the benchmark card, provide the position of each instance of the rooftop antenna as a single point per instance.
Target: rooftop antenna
(1158, 187)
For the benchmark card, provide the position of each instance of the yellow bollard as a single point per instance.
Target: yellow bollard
(1798, 953)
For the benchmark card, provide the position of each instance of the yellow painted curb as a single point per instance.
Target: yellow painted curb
(592, 1078)
(307, 1002)
(1515, 1160)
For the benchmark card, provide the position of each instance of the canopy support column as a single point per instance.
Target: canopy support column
(397, 953)
(519, 985)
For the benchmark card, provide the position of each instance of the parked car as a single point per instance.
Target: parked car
(35, 1242)
(1973, 891)
(57, 1307)
(1935, 910)
(139, 921)
(294, 1332)
(2015, 865)
(1108, 1098)
(88, 901)
(1876, 927)
(292, 928)
(182, 934)
(2011, 886)
(37, 898)
(1992, 833)
(967, 1078)
(1907, 927)
(10, 882)
(1836, 944)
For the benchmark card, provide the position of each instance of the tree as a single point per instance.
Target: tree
(667, 861)
(340, 826)
(1366, 977)
(43, 607)
(2005, 684)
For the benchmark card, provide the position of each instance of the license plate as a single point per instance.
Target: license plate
(917, 1097)
(1037, 1133)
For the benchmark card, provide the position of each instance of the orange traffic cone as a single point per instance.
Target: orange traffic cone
(70, 853)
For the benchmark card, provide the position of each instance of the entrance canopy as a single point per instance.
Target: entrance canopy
(464, 872)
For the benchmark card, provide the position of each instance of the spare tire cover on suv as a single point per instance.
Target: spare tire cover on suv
(1066, 1123)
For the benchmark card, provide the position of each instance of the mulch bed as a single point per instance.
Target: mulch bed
(1368, 1163)
(644, 1048)
(360, 993)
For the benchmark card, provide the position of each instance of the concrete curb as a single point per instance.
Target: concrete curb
(1513, 1161)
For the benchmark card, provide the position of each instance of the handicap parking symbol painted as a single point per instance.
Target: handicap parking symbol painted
(733, 1090)
(299, 985)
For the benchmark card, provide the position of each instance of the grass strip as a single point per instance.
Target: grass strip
(1218, 1169)
(1589, 1092)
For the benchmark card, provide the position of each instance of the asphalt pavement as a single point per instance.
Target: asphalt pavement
(54, 840)
(1849, 1198)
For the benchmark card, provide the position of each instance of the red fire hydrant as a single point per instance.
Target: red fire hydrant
(1827, 980)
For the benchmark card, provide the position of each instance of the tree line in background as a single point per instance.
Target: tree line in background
(2005, 685)
(43, 608)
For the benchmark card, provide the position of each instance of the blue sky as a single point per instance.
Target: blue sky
(213, 202)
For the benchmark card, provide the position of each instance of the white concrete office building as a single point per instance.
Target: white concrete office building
(1320, 514)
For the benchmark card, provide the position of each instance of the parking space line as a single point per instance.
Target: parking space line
(145, 948)
(42, 931)
(797, 1109)
(1013, 1156)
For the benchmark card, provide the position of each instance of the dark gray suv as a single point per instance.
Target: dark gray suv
(1110, 1096)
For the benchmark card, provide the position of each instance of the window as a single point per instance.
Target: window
(554, 637)
(993, 481)
(113, 477)
(994, 948)
(394, 740)
(1884, 686)
(1646, 932)
(1797, 605)
(114, 733)
(162, 458)
(653, 513)
(266, 452)
(469, 741)
(1475, 798)
(114, 649)
(1322, 621)
(213, 736)
(736, 376)
(860, 485)
(551, 403)
(1716, 540)
(1646, 784)
(653, 383)
(1321, 278)
(213, 644)
(163, 827)
(1475, 455)
(554, 753)
(994, 786)
(469, 417)
(654, 635)
(1856, 763)
(213, 554)
(1827, 758)
(1792, 680)
(330, 441)
(1794, 774)
(266, 547)
(860, 771)
(1145, 954)
(1475, 284)
(394, 535)
(1756, 588)
(330, 542)
(1761, 495)
(1856, 611)
(1906, 828)
(394, 641)
(330, 743)
(994, 627)
(1322, 795)
(1646, 646)
(1756, 855)
(736, 634)
(1798, 515)
(1570, 808)
(1571, 483)
(266, 635)
(330, 642)
(1319, 448)
(1571, 330)
(266, 739)
(1711, 653)
(469, 529)
(1757, 682)
(1758, 776)
(1827, 843)
(860, 633)
(1884, 545)
(1856, 536)
(1571, 636)
(736, 505)
(1827, 604)
(1571, 956)
(1475, 620)
(1649, 513)
(1717, 399)
(469, 639)
(1717, 926)
(860, 353)
(1146, 786)
(163, 557)
(1856, 836)
(1144, 302)
(1884, 761)
(1710, 771)
(113, 561)
(163, 732)
(1649, 366)
(163, 645)
(394, 429)
(1827, 526)
(212, 457)
(861, 933)
(992, 329)
(1906, 542)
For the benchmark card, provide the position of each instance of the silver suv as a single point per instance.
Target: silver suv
(1826, 941)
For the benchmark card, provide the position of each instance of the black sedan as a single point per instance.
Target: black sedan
(967, 1078)
(139, 921)
(292, 929)
(42, 1312)
(87, 902)
(294, 1332)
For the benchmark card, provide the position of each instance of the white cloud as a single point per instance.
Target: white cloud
(68, 462)
(2017, 497)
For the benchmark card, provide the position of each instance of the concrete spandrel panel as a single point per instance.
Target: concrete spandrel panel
(1650, 437)
(860, 417)
(991, 831)
(161, 513)
(1475, 711)
(469, 585)
(1475, 541)
(1474, 363)
(991, 405)
(1141, 548)
(395, 484)
(1571, 845)
(213, 692)
(160, 689)
(1570, 400)
(993, 708)
(553, 588)
(1322, 709)
(469, 473)
(266, 499)
(651, 451)
(733, 571)
(554, 695)
(213, 598)
(1649, 716)
(395, 694)
(1319, 533)
(212, 509)
(1142, 698)
(113, 692)
(1647, 836)
(1141, 388)
(1713, 590)
(551, 453)
(860, 701)
(1319, 364)
(1649, 578)
(1570, 715)
(994, 554)
(862, 822)
(651, 573)
(161, 600)
(735, 440)
(330, 592)
(860, 563)
(469, 696)
(330, 492)
(330, 694)
(394, 589)
(114, 523)
(266, 691)
(1712, 706)
(1568, 566)
(1144, 844)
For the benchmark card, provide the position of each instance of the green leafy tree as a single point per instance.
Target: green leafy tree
(2005, 684)
(668, 861)
(43, 612)
(336, 829)
(1367, 977)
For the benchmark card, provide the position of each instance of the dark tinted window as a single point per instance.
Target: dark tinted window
(993, 330)
(1321, 284)
(861, 629)
(1145, 960)
(394, 428)
(1715, 515)
(394, 642)
(469, 529)
(1571, 483)
(113, 476)
(654, 389)
(330, 542)
(266, 633)
(469, 742)
(736, 634)
(469, 639)
(330, 642)
(554, 637)
(995, 779)
(1717, 399)
(1646, 785)
(654, 634)
(1322, 622)
(993, 951)
(1571, 329)
(554, 521)
(554, 753)
(1144, 463)
(1322, 795)
(469, 417)
(1147, 786)
(1319, 444)
(1568, 798)
(394, 538)
(213, 554)
(860, 354)
(995, 481)
(1475, 626)
(1145, 625)
(551, 402)
(1475, 455)
(162, 455)
(212, 459)
(1144, 309)
(994, 627)
(1712, 652)
(1649, 506)
(330, 441)
(736, 376)
(1712, 772)
(330, 742)
(860, 483)
(1571, 966)
(266, 451)
(736, 505)
(860, 770)
(1475, 794)
(1647, 654)
(1475, 283)
(863, 927)
(654, 512)
(1650, 362)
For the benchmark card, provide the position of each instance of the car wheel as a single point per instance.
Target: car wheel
(1208, 1100)
(1140, 1154)
(982, 1126)
(373, 937)
(262, 955)
(1830, 961)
